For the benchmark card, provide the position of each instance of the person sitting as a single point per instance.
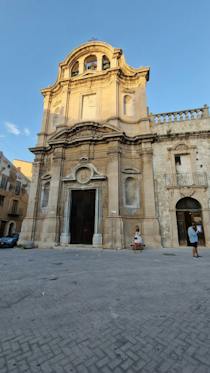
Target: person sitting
(138, 243)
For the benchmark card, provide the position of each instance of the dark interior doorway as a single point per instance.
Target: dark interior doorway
(11, 229)
(188, 210)
(2, 227)
(82, 216)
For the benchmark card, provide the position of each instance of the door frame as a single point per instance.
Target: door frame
(190, 211)
(65, 237)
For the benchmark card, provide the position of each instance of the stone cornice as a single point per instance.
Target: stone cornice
(182, 135)
(90, 133)
(127, 121)
(104, 75)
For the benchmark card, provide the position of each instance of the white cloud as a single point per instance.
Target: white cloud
(26, 132)
(12, 128)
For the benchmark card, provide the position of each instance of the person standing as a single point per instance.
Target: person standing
(193, 238)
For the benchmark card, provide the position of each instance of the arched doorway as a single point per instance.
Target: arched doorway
(11, 229)
(188, 210)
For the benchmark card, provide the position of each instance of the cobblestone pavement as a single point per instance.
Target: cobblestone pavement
(87, 311)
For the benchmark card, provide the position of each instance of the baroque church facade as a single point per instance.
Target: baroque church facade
(104, 164)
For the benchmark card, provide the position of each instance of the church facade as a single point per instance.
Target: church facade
(104, 164)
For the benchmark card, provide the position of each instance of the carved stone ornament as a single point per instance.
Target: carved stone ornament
(130, 171)
(46, 177)
(83, 173)
(186, 192)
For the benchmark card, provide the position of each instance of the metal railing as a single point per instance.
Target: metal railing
(13, 211)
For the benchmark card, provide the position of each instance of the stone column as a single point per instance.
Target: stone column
(65, 235)
(150, 224)
(50, 233)
(28, 229)
(97, 237)
(114, 226)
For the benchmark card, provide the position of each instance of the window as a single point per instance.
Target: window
(90, 63)
(183, 163)
(14, 206)
(17, 187)
(4, 181)
(105, 63)
(2, 200)
(45, 195)
(75, 69)
(177, 159)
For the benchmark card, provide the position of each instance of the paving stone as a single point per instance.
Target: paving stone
(108, 313)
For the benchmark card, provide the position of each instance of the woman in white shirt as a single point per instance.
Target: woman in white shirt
(138, 243)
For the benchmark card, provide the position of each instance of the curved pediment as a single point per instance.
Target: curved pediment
(107, 58)
(84, 131)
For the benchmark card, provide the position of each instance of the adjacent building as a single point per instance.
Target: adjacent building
(25, 167)
(104, 164)
(14, 190)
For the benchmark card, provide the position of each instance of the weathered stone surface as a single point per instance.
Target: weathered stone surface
(90, 310)
(97, 134)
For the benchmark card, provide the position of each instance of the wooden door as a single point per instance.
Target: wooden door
(82, 216)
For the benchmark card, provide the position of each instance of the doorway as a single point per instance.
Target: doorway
(11, 229)
(82, 218)
(2, 227)
(189, 210)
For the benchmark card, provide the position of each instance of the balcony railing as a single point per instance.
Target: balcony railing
(178, 116)
(14, 212)
(186, 180)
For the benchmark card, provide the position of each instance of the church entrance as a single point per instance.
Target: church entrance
(82, 219)
(189, 210)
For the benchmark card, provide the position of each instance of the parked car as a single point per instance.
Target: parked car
(9, 241)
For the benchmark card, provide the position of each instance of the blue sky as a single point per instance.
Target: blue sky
(172, 37)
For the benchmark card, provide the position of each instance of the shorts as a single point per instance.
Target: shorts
(194, 244)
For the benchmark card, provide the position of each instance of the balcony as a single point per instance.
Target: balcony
(15, 212)
(197, 180)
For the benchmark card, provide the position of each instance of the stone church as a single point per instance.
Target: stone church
(104, 164)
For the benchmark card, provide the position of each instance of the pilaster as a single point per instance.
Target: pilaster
(114, 224)
(150, 224)
(28, 229)
(50, 233)
(65, 237)
(97, 237)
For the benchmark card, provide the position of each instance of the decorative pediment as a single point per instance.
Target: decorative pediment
(84, 172)
(46, 177)
(130, 171)
(181, 147)
(83, 131)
